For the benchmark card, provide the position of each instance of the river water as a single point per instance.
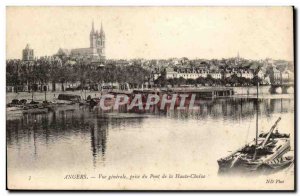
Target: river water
(90, 141)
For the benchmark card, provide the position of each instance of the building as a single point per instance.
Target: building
(97, 41)
(186, 73)
(96, 51)
(261, 74)
(287, 76)
(276, 75)
(247, 74)
(228, 74)
(155, 74)
(170, 73)
(63, 53)
(216, 75)
(27, 54)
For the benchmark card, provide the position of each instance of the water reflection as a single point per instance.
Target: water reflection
(36, 131)
(234, 109)
(99, 135)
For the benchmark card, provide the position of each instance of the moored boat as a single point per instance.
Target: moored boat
(284, 162)
(262, 152)
(35, 111)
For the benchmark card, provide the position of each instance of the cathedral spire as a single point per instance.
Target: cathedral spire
(101, 30)
(93, 30)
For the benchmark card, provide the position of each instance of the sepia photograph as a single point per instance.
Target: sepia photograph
(150, 98)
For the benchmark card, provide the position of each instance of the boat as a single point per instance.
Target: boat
(13, 108)
(35, 109)
(260, 153)
(67, 99)
(16, 106)
(16, 103)
(283, 162)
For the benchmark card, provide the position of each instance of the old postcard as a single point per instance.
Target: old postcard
(150, 98)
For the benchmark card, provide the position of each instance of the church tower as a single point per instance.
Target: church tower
(92, 37)
(101, 43)
(96, 51)
(97, 41)
(27, 54)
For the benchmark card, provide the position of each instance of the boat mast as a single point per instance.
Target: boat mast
(256, 134)
(256, 113)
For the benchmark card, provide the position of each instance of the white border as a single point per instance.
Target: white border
(5, 3)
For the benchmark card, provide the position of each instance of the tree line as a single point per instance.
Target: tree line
(44, 71)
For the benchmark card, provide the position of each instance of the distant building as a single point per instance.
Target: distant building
(261, 74)
(266, 80)
(186, 73)
(63, 53)
(27, 54)
(170, 73)
(216, 75)
(247, 74)
(155, 74)
(228, 74)
(96, 51)
(287, 76)
(276, 75)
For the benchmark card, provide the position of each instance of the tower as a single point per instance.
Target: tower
(92, 37)
(101, 43)
(97, 41)
(28, 54)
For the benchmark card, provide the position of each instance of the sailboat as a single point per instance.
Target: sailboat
(264, 152)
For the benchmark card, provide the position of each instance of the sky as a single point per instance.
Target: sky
(155, 32)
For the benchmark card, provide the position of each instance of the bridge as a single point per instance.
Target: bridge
(283, 86)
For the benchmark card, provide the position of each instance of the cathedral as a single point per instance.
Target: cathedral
(96, 51)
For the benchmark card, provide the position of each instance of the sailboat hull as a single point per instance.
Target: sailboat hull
(244, 161)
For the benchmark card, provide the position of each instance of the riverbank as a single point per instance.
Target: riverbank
(243, 92)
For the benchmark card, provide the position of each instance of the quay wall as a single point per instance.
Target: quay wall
(40, 96)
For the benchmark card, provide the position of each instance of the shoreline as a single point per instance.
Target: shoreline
(40, 96)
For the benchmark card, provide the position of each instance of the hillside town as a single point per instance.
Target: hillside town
(88, 68)
(63, 72)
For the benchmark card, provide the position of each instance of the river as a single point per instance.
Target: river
(90, 141)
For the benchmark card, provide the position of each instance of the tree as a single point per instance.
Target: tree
(190, 81)
(256, 80)
(161, 81)
(200, 80)
(181, 81)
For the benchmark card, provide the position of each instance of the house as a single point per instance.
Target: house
(203, 73)
(261, 74)
(186, 73)
(287, 76)
(276, 75)
(247, 74)
(216, 75)
(170, 73)
(227, 74)
(155, 74)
